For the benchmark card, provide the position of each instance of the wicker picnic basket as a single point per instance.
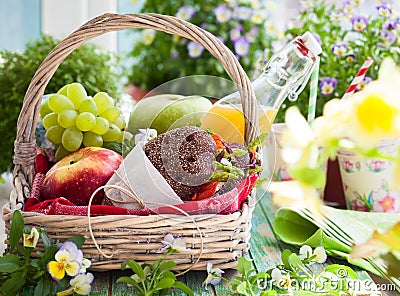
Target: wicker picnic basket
(113, 239)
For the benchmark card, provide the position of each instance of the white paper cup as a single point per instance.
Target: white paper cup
(366, 181)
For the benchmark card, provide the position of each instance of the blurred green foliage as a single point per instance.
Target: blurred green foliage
(93, 68)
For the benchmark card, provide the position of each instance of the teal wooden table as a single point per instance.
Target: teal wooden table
(265, 251)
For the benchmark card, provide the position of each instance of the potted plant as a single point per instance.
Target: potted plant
(95, 69)
(241, 25)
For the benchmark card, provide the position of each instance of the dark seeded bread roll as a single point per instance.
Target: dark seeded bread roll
(184, 157)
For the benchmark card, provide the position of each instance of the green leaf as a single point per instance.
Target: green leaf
(244, 265)
(342, 271)
(9, 263)
(47, 241)
(165, 283)
(185, 289)
(78, 240)
(166, 266)
(17, 228)
(14, 284)
(285, 258)
(295, 262)
(269, 293)
(44, 287)
(136, 268)
(242, 288)
(128, 280)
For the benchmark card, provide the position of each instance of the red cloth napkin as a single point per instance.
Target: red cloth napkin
(223, 204)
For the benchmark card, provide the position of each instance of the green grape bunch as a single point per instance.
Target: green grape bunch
(73, 119)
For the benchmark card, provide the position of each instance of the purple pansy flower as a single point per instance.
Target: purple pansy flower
(327, 85)
(235, 33)
(223, 13)
(252, 34)
(242, 46)
(390, 25)
(363, 83)
(185, 12)
(384, 10)
(339, 49)
(350, 57)
(359, 23)
(195, 50)
(388, 38)
(242, 13)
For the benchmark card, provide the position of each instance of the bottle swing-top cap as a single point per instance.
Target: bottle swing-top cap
(311, 43)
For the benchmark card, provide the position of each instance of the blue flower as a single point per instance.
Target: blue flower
(327, 86)
(194, 49)
(359, 23)
(185, 12)
(350, 57)
(363, 83)
(223, 13)
(242, 46)
(235, 33)
(384, 10)
(339, 49)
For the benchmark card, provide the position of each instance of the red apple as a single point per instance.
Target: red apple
(79, 174)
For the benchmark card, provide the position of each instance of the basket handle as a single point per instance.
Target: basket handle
(24, 153)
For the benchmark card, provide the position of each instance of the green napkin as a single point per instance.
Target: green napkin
(336, 230)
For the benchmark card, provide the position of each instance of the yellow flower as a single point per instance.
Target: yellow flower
(31, 239)
(68, 260)
(376, 115)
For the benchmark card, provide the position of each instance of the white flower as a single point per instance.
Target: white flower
(280, 280)
(320, 255)
(81, 283)
(298, 140)
(295, 194)
(148, 36)
(305, 252)
(171, 243)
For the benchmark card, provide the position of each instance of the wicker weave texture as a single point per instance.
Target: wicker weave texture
(221, 239)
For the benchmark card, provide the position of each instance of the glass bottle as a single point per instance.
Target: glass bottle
(285, 74)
